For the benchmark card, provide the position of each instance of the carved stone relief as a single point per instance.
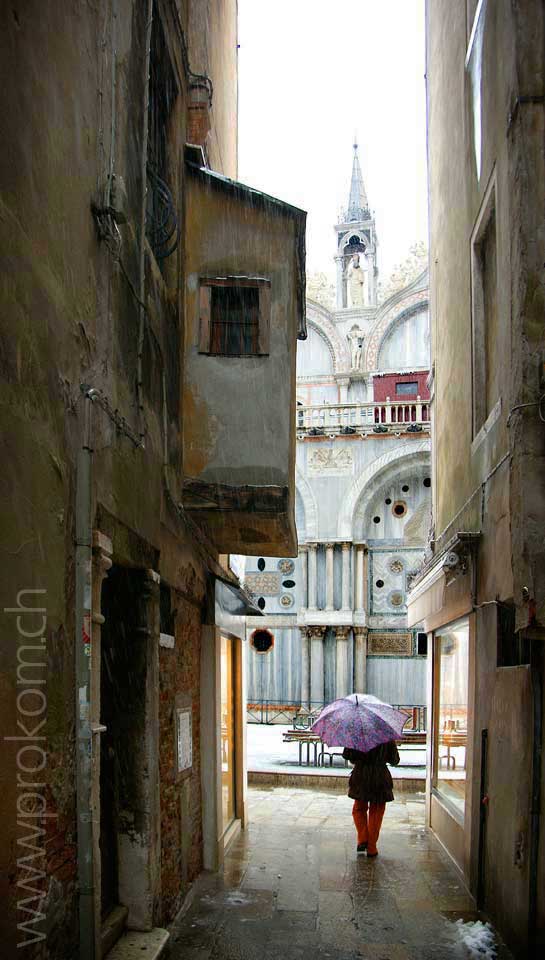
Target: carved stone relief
(390, 644)
(263, 584)
(330, 462)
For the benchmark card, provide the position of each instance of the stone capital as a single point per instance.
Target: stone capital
(346, 545)
(329, 546)
(342, 633)
(316, 632)
(312, 546)
(360, 633)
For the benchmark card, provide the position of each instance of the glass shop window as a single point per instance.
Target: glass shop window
(406, 389)
(234, 317)
(450, 712)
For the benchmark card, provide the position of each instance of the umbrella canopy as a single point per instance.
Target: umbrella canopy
(361, 722)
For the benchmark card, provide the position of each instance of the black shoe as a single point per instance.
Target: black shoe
(373, 854)
(361, 847)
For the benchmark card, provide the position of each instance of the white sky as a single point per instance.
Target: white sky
(312, 73)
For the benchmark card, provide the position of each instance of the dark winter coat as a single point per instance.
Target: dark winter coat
(370, 779)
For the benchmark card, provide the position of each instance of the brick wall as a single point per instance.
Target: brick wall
(198, 123)
(385, 385)
(181, 816)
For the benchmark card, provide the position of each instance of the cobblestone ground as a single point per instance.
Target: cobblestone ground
(293, 887)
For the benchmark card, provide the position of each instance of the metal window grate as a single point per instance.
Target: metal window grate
(234, 321)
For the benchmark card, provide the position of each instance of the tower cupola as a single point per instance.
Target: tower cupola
(356, 246)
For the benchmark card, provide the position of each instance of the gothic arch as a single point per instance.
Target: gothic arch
(320, 318)
(345, 239)
(407, 301)
(309, 503)
(410, 464)
(408, 452)
(321, 333)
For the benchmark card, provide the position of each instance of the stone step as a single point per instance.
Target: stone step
(135, 945)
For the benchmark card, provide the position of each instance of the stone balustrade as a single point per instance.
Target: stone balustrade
(363, 418)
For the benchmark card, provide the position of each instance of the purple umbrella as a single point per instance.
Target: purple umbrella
(359, 722)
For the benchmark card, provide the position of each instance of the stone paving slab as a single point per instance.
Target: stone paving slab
(294, 888)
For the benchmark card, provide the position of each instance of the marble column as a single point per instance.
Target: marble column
(343, 386)
(329, 576)
(305, 667)
(312, 580)
(360, 579)
(341, 661)
(360, 659)
(317, 678)
(371, 284)
(366, 580)
(303, 555)
(346, 547)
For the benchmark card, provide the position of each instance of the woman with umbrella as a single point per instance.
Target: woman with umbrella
(367, 728)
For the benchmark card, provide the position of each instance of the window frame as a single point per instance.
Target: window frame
(456, 808)
(206, 285)
(406, 393)
(480, 361)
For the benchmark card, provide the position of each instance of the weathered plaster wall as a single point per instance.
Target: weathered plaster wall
(69, 317)
(483, 143)
(233, 398)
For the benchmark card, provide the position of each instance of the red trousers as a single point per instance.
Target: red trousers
(368, 827)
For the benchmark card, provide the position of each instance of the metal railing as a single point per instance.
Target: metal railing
(378, 417)
(302, 716)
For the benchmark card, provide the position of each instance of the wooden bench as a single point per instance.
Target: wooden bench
(302, 738)
(418, 737)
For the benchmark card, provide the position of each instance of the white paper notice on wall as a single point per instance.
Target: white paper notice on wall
(184, 739)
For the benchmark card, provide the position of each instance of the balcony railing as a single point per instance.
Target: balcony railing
(352, 418)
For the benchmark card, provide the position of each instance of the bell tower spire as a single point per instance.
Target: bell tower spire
(356, 256)
(358, 205)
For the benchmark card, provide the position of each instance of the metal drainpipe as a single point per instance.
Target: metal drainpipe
(142, 260)
(84, 734)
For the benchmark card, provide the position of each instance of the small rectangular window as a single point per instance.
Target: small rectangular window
(422, 644)
(406, 389)
(234, 316)
(234, 320)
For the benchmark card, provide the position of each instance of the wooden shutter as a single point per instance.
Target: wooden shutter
(265, 305)
(205, 297)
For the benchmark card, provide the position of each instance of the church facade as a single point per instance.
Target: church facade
(335, 618)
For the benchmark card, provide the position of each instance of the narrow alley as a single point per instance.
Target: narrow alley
(293, 884)
(272, 384)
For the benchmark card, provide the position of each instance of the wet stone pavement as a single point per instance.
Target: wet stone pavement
(293, 887)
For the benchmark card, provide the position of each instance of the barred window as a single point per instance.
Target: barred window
(234, 316)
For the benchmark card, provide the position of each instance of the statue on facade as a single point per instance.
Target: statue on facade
(356, 282)
(355, 339)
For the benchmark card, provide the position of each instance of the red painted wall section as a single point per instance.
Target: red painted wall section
(384, 385)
